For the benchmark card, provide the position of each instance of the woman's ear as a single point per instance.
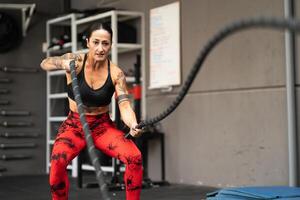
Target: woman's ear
(87, 42)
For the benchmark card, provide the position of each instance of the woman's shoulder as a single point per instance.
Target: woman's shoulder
(115, 68)
(115, 71)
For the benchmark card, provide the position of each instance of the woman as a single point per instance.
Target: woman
(98, 80)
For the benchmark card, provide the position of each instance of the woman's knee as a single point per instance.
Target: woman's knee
(59, 161)
(134, 159)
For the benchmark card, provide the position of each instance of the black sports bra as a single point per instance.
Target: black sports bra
(90, 97)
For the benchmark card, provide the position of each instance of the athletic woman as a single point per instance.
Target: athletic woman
(98, 80)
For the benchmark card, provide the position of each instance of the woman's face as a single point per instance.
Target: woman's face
(99, 44)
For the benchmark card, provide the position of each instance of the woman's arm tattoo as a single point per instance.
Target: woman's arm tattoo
(55, 60)
(121, 84)
(73, 56)
(122, 97)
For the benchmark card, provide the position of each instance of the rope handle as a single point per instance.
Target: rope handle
(139, 126)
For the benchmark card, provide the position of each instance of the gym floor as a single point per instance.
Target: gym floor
(36, 188)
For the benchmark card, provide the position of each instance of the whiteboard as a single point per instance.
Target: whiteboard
(165, 46)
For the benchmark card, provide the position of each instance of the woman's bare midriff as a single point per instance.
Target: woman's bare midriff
(88, 110)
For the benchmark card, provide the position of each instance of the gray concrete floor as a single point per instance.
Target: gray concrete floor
(36, 188)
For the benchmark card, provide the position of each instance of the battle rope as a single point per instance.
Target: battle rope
(274, 23)
(87, 134)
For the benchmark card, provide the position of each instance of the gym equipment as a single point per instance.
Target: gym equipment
(10, 34)
(6, 157)
(256, 193)
(17, 145)
(14, 113)
(15, 124)
(4, 102)
(2, 169)
(5, 80)
(87, 134)
(4, 91)
(18, 69)
(18, 135)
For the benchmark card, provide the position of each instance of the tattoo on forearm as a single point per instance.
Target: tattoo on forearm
(121, 84)
(56, 61)
(122, 97)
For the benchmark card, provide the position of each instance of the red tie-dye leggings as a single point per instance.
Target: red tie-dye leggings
(70, 141)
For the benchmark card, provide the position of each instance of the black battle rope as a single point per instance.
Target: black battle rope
(87, 134)
(261, 22)
(274, 23)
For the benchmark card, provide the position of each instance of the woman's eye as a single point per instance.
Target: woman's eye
(96, 42)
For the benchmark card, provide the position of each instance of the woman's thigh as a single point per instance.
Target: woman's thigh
(112, 142)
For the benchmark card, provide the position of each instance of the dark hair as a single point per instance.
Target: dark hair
(99, 26)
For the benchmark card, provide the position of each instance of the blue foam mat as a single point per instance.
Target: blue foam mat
(255, 193)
